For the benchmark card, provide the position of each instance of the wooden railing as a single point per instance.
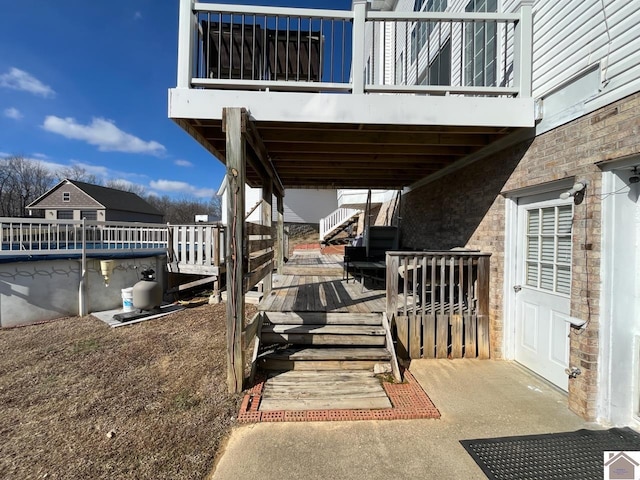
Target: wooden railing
(260, 254)
(199, 245)
(439, 303)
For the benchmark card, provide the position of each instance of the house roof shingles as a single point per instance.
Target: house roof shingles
(114, 199)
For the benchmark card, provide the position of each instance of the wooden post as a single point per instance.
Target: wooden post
(280, 234)
(393, 262)
(236, 171)
(267, 214)
(483, 307)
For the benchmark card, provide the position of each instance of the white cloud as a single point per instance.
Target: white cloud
(17, 79)
(181, 187)
(102, 133)
(41, 156)
(13, 113)
(4, 155)
(183, 163)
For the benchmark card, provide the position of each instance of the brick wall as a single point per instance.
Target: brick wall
(466, 209)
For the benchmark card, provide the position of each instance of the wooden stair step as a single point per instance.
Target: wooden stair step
(328, 354)
(312, 338)
(319, 390)
(323, 318)
(324, 329)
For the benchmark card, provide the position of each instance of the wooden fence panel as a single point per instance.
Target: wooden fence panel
(440, 304)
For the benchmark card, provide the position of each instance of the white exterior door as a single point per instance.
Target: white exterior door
(544, 286)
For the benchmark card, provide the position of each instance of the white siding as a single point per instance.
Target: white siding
(300, 206)
(309, 206)
(571, 36)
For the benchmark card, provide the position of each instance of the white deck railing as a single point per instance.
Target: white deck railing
(360, 51)
(334, 220)
(25, 237)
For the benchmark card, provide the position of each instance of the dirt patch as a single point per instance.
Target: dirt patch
(82, 400)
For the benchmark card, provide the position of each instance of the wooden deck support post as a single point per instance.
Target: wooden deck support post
(280, 233)
(236, 174)
(267, 220)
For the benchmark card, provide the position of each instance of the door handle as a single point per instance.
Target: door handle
(517, 288)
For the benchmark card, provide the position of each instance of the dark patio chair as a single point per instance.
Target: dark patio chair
(352, 254)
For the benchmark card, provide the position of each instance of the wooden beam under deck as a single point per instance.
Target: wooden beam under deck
(319, 155)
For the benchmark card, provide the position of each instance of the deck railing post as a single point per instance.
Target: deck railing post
(185, 43)
(483, 307)
(267, 220)
(282, 246)
(392, 284)
(358, 46)
(523, 50)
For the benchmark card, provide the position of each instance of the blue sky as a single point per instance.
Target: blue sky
(86, 83)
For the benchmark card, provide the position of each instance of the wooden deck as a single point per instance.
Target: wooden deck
(323, 339)
(321, 293)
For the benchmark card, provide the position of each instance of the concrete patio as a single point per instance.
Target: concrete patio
(477, 399)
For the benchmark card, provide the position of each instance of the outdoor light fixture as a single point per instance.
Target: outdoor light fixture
(634, 178)
(577, 188)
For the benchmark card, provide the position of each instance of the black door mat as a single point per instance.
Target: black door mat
(557, 456)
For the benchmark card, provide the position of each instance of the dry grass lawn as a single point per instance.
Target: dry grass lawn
(80, 400)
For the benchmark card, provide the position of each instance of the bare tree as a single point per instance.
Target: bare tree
(180, 211)
(21, 182)
(126, 186)
(76, 172)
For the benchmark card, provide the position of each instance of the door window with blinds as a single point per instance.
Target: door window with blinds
(549, 249)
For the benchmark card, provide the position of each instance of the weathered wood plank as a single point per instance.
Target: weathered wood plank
(259, 245)
(402, 331)
(195, 283)
(341, 329)
(259, 260)
(236, 175)
(251, 330)
(308, 365)
(257, 229)
(321, 339)
(415, 336)
(253, 279)
(429, 336)
(296, 390)
(395, 368)
(456, 336)
(483, 337)
(323, 318)
(342, 353)
(470, 336)
(442, 335)
(483, 308)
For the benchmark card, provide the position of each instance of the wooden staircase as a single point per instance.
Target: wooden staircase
(317, 360)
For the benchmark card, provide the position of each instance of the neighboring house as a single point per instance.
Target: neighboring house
(300, 206)
(74, 200)
(513, 127)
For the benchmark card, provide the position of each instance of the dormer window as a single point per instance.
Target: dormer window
(66, 196)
